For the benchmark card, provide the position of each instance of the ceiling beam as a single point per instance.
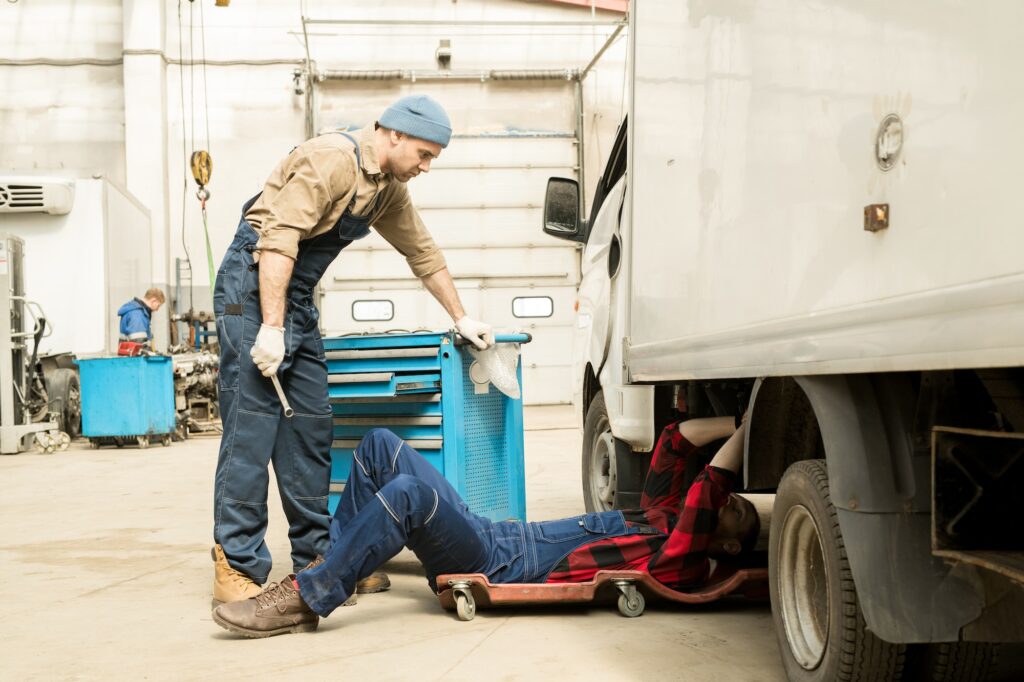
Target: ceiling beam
(612, 5)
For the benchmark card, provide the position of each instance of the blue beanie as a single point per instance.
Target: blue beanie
(419, 116)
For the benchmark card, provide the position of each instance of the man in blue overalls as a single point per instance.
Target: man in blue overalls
(324, 195)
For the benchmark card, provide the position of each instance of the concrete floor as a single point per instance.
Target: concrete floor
(107, 572)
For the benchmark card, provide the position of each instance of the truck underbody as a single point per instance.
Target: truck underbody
(906, 479)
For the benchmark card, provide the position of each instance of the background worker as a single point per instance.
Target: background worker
(325, 194)
(137, 314)
(395, 498)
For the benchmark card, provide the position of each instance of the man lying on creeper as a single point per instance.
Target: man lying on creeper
(394, 498)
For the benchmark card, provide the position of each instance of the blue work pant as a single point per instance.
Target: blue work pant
(394, 498)
(255, 430)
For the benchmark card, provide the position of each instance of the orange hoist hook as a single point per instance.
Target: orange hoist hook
(202, 168)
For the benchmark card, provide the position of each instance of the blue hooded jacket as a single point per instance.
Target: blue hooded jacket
(135, 316)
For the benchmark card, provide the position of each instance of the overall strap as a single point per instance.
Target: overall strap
(359, 158)
(359, 162)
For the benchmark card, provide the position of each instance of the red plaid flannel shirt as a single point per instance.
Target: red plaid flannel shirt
(670, 544)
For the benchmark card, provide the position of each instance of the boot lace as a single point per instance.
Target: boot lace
(239, 578)
(272, 595)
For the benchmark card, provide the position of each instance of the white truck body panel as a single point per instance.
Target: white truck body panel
(752, 140)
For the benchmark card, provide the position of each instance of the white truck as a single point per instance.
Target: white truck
(814, 213)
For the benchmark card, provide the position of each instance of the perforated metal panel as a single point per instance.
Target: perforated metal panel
(486, 448)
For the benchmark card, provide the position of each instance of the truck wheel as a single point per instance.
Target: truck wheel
(821, 631)
(599, 476)
(65, 393)
(950, 661)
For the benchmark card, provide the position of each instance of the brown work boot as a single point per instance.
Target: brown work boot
(277, 610)
(378, 581)
(314, 563)
(229, 584)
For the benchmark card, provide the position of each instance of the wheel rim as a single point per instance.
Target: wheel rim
(74, 411)
(803, 588)
(602, 466)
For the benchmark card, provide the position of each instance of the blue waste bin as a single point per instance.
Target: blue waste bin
(419, 386)
(127, 400)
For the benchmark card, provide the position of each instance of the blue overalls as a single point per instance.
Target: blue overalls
(255, 430)
(395, 498)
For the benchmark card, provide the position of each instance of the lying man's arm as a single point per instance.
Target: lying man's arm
(663, 485)
(683, 559)
(730, 456)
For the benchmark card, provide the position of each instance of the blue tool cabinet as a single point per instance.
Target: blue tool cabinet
(127, 399)
(419, 386)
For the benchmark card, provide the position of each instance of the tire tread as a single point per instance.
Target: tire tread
(863, 657)
(952, 661)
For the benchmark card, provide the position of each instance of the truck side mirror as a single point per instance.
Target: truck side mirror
(562, 210)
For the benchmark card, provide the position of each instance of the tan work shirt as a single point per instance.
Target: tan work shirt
(310, 189)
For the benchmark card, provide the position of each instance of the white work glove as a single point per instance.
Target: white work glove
(268, 351)
(477, 333)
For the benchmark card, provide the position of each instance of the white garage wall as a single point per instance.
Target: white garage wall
(61, 99)
(73, 118)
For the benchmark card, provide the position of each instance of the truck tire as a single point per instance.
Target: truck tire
(950, 662)
(65, 394)
(600, 482)
(821, 631)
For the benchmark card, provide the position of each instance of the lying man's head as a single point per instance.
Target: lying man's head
(738, 527)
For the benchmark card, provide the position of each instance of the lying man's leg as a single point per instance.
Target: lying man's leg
(423, 513)
(381, 456)
(406, 511)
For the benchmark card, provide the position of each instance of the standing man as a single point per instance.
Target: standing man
(136, 316)
(324, 195)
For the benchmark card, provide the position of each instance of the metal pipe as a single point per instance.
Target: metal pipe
(305, 41)
(310, 98)
(483, 166)
(580, 160)
(514, 134)
(312, 121)
(361, 75)
(461, 276)
(535, 74)
(44, 61)
(600, 53)
(387, 287)
(473, 207)
(465, 247)
(87, 61)
(457, 22)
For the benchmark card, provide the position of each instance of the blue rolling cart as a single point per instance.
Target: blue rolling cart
(128, 400)
(420, 386)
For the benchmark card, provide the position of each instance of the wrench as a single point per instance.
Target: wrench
(288, 411)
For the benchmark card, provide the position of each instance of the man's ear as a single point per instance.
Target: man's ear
(732, 547)
(396, 137)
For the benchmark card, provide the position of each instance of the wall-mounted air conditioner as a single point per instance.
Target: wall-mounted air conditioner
(36, 194)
